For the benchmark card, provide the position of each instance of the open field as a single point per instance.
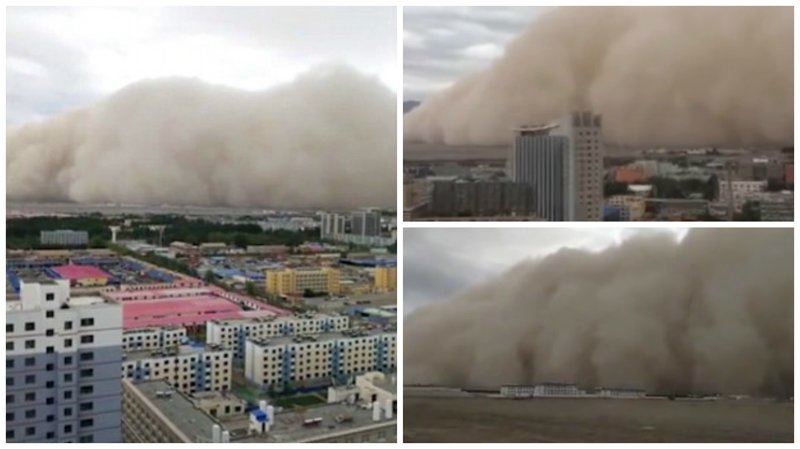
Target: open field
(482, 419)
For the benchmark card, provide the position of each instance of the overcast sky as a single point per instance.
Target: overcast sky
(58, 58)
(443, 43)
(438, 263)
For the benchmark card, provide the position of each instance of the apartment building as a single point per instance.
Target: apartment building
(385, 279)
(290, 281)
(314, 359)
(153, 338)
(232, 334)
(741, 191)
(62, 366)
(186, 368)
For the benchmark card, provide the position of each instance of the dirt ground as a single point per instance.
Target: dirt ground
(445, 419)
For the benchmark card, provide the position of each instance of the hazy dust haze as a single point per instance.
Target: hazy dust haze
(327, 139)
(711, 313)
(658, 75)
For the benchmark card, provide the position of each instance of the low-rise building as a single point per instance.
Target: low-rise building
(154, 413)
(64, 238)
(81, 275)
(620, 393)
(368, 388)
(633, 204)
(232, 334)
(290, 281)
(742, 191)
(186, 368)
(548, 389)
(317, 359)
(153, 338)
(219, 404)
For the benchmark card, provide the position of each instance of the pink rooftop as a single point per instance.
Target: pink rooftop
(75, 272)
(184, 306)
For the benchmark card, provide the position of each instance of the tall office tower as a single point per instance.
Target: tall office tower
(331, 225)
(365, 222)
(63, 358)
(564, 162)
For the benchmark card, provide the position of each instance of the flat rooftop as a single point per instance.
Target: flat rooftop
(279, 319)
(289, 425)
(193, 422)
(76, 272)
(323, 337)
(81, 301)
(156, 353)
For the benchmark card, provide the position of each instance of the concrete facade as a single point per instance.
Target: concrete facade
(62, 366)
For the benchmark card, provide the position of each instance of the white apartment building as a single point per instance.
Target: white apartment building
(368, 389)
(621, 393)
(153, 338)
(62, 361)
(541, 390)
(186, 368)
(309, 359)
(742, 191)
(232, 334)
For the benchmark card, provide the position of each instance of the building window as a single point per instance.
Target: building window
(87, 389)
(9, 363)
(85, 406)
(67, 411)
(9, 328)
(49, 296)
(51, 435)
(86, 356)
(87, 372)
(30, 414)
(87, 322)
(9, 434)
(87, 422)
(30, 344)
(87, 339)
(67, 342)
(86, 439)
(30, 379)
(30, 326)
(30, 431)
(49, 332)
(68, 428)
(49, 314)
(30, 396)
(67, 325)
(9, 346)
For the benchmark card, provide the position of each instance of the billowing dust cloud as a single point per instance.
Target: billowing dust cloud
(712, 313)
(663, 76)
(327, 139)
